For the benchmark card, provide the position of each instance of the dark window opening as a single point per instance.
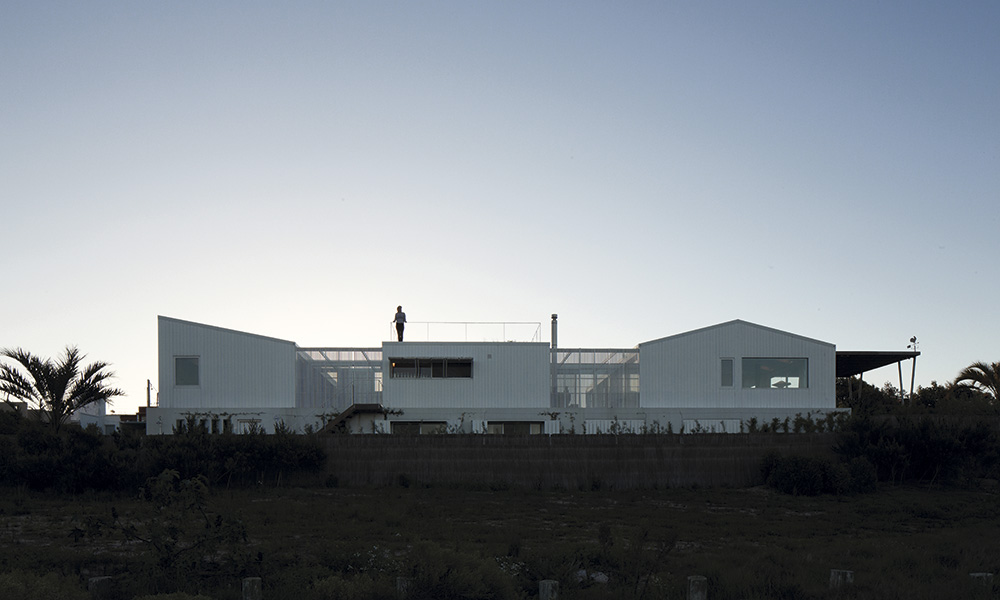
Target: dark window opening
(430, 368)
(514, 428)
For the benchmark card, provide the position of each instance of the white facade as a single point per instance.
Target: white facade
(686, 370)
(712, 379)
(233, 369)
(492, 384)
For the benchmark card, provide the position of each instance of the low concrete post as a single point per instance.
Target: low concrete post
(100, 587)
(986, 579)
(697, 587)
(403, 586)
(548, 589)
(840, 578)
(252, 589)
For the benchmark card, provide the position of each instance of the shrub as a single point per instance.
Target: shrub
(862, 474)
(921, 450)
(358, 587)
(797, 475)
(441, 573)
(30, 586)
(808, 476)
(174, 596)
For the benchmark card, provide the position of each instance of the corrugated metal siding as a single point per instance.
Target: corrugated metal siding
(685, 370)
(237, 370)
(504, 375)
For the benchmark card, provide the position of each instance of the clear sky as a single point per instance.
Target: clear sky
(297, 169)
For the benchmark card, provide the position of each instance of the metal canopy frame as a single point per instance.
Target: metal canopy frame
(851, 363)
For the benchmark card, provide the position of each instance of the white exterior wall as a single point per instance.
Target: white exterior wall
(685, 370)
(236, 369)
(504, 375)
(246, 378)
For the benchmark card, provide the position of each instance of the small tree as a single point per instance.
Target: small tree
(57, 389)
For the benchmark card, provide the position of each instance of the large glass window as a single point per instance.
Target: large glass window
(186, 370)
(430, 368)
(777, 373)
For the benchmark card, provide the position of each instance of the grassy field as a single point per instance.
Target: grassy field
(306, 543)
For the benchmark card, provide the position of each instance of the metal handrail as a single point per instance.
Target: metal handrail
(464, 325)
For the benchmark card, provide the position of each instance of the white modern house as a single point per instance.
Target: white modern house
(717, 379)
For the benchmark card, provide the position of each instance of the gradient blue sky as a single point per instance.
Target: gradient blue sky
(298, 169)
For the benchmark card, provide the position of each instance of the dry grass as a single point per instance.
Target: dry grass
(901, 542)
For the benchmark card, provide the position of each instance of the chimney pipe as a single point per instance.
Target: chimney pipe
(552, 366)
(555, 331)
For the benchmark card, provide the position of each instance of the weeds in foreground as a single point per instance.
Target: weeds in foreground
(317, 544)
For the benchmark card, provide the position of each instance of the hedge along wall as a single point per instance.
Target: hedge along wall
(564, 461)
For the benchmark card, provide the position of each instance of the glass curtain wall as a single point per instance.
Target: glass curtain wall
(596, 378)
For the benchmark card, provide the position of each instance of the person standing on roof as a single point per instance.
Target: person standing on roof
(400, 320)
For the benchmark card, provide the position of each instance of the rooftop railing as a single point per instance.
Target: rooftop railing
(469, 331)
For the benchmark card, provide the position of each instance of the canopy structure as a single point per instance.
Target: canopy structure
(850, 363)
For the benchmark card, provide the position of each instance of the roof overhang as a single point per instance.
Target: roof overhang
(850, 363)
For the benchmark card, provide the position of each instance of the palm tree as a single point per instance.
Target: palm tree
(984, 377)
(56, 389)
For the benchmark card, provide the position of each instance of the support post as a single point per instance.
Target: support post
(840, 578)
(252, 589)
(403, 586)
(548, 589)
(697, 587)
(902, 398)
(101, 587)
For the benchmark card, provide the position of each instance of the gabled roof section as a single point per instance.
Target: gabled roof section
(737, 323)
(162, 319)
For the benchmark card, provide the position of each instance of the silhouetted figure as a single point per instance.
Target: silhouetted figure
(400, 319)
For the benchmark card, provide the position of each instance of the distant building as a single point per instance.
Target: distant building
(96, 414)
(711, 379)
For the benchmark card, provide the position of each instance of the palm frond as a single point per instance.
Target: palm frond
(981, 376)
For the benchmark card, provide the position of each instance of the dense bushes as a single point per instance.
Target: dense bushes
(809, 476)
(906, 450)
(32, 586)
(922, 450)
(76, 460)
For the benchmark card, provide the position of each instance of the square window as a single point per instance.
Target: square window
(186, 370)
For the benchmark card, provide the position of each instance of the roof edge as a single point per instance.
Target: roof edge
(740, 322)
(161, 318)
